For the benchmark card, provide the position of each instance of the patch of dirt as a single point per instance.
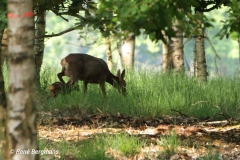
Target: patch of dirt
(223, 137)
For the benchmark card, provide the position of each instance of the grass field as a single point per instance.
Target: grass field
(151, 94)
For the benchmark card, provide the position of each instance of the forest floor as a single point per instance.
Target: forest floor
(201, 138)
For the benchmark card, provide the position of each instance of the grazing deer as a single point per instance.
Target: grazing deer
(59, 87)
(90, 69)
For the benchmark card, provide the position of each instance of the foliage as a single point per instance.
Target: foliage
(122, 17)
(66, 7)
(3, 12)
(131, 16)
(231, 26)
(209, 5)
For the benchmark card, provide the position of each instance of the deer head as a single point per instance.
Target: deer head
(121, 83)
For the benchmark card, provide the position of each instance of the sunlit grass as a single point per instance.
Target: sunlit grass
(170, 143)
(125, 144)
(152, 94)
(212, 156)
(85, 149)
(97, 147)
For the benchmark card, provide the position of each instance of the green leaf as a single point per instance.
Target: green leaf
(234, 35)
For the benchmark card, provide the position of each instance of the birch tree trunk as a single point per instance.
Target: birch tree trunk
(4, 42)
(109, 53)
(118, 47)
(165, 57)
(39, 43)
(21, 122)
(194, 60)
(175, 49)
(200, 66)
(2, 110)
(127, 52)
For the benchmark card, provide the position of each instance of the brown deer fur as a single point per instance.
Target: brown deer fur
(59, 87)
(90, 69)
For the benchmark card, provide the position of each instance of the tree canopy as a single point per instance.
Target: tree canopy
(152, 17)
(231, 27)
(116, 16)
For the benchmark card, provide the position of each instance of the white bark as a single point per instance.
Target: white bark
(39, 43)
(200, 66)
(21, 125)
(176, 49)
(128, 51)
(165, 55)
(4, 42)
(109, 53)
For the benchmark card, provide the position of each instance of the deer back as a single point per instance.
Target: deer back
(85, 67)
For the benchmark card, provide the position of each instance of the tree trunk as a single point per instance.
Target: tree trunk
(39, 43)
(175, 49)
(165, 57)
(21, 122)
(127, 52)
(200, 66)
(194, 60)
(5, 43)
(109, 53)
(118, 47)
(2, 110)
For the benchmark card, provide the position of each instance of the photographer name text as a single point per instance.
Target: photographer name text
(33, 151)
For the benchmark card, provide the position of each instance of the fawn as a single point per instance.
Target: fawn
(59, 87)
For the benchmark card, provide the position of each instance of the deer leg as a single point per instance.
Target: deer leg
(85, 83)
(68, 87)
(102, 86)
(60, 75)
(72, 80)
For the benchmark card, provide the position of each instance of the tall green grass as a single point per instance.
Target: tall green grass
(170, 143)
(151, 94)
(89, 149)
(96, 147)
(124, 143)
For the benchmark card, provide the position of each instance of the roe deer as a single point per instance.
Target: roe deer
(59, 87)
(90, 69)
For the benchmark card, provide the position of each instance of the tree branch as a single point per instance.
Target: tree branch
(49, 36)
(59, 15)
(58, 34)
(204, 4)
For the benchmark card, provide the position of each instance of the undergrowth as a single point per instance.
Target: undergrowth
(151, 94)
(170, 143)
(102, 147)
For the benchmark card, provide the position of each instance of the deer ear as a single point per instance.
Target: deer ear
(118, 73)
(123, 74)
